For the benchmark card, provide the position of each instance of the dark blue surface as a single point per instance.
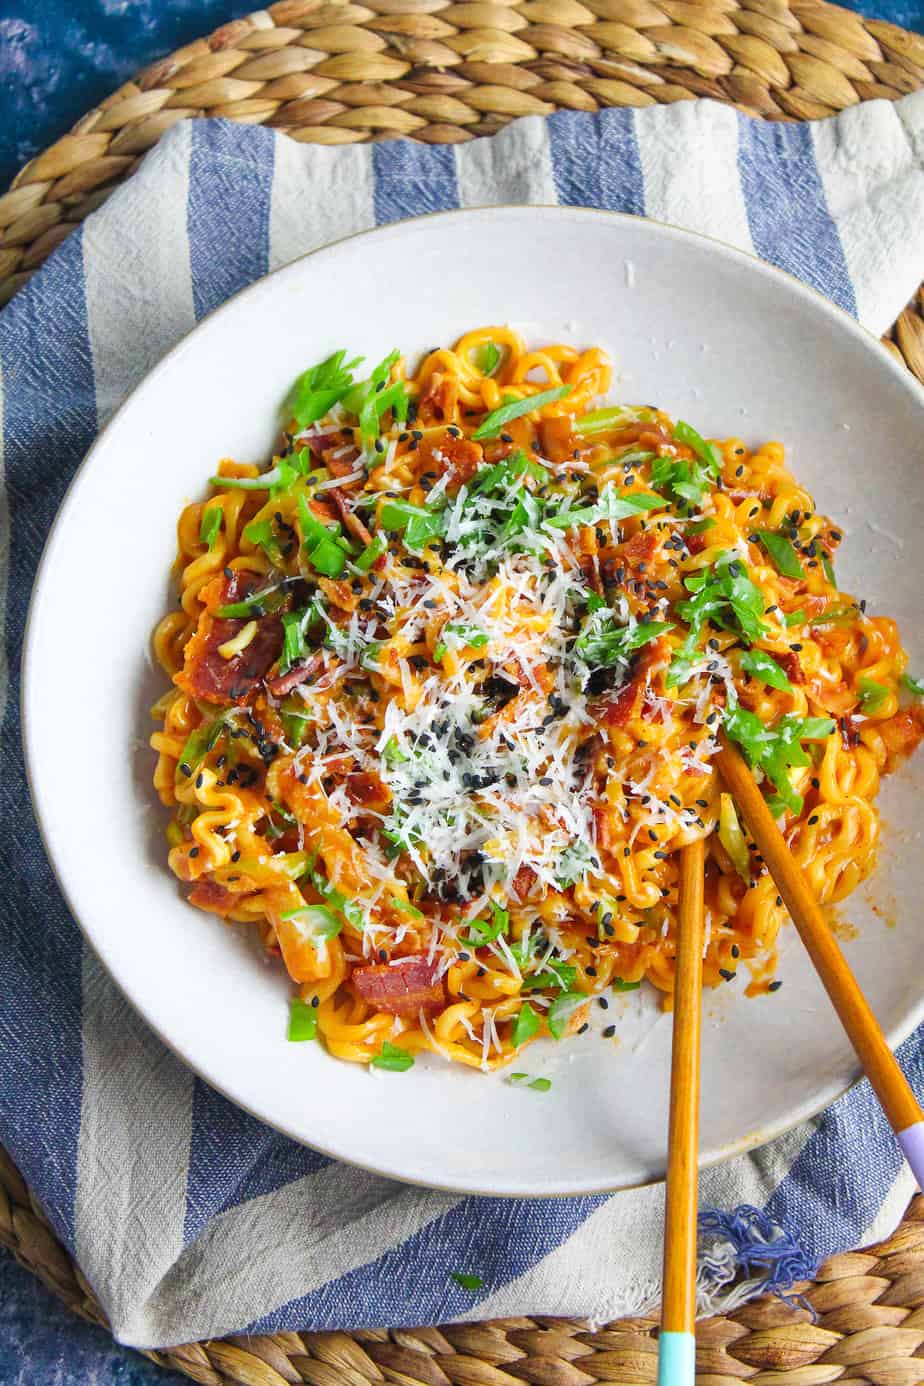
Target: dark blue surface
(57, 59)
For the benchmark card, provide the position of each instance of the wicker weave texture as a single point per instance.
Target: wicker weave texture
(336, 72)
(867, 1330)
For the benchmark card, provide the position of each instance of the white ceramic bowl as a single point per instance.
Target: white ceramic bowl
(711, 335)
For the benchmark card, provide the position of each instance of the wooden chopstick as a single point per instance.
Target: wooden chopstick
(677, 1343)
(879, 1063)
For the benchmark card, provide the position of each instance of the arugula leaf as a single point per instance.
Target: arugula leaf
(872, 694)
(318, 389)
(515, 409)
(603, 642)
(611, 506)
(561, 1011)
(210, 525)
(393, 1059)
(777, 749)
(727, 597)
(525, 1025)
(782, 553)
(303, 1021)
(913, 686)
(764, 667)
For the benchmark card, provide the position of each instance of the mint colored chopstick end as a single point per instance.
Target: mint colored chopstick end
(911, 1141)
(676, 1358)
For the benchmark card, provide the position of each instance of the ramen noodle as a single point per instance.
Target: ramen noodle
(447, 678)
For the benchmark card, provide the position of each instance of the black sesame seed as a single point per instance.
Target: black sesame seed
(609, 1032)
(774, 986)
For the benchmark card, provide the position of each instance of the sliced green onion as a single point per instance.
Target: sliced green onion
(794, 618)
(321, 922)
(609, 507)
(700, 526)
(837, 616)
(828, 567)
(248, 483)
(328, 558)
(198, 744)
(393, 753)
(540, 1084)
(515, 409)
(762, 666)
(525, 1026)
(600, 420)
(371, 552)
(553, 974)
(872, 694)
(732, 838)
(707, 452)
(406, 907)
(303, 1021)
(619, 985)
(561, 1011)
(913, 686)
(468, 1282)
(317, 390)
(782, 553)
(393, 1059)
(486, 358)
(483, 933)
(210, 525)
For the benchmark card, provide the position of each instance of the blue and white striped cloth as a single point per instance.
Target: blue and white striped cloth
(189, 1217)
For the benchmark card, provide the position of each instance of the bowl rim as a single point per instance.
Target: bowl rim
(755, 1138)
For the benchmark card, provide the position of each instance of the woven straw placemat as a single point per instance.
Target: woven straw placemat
(337, 72)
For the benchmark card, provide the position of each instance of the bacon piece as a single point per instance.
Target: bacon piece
(367, 790)
(649, 436)
(835, 698)
(448, 453)
(323, 509)
(641, 548)
(523, 882)
(208, 675)
(209, 895)
(789, 663)
(402, 988)
(557, 438)
(282, 684)
(616, 712)
(437, 399)
(901, 735)
(349, 517)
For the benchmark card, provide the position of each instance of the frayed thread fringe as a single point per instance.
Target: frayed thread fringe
(743, 1254)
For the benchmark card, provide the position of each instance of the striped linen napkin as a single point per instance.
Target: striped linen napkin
(189, 1217)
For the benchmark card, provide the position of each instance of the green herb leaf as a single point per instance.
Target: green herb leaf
(468, 1282)
(486, 358)
(764, 667)
(525, 1026)
(619, 985)
(561, 1011)
(872, 694)
(837, 616)
(781, 551)
(319, 921)
(725, 596)
(553, 974)
(393, 1059)
(210, 525)
(777, 749)
(700, 526)
(515, 409)
(318, 389)
(540, 1084)
(619, 416)
(371, 552)
(482, 932)
(707, 453)
(303, 1021)
(602, 642)
(611, 506)
(393, 753)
